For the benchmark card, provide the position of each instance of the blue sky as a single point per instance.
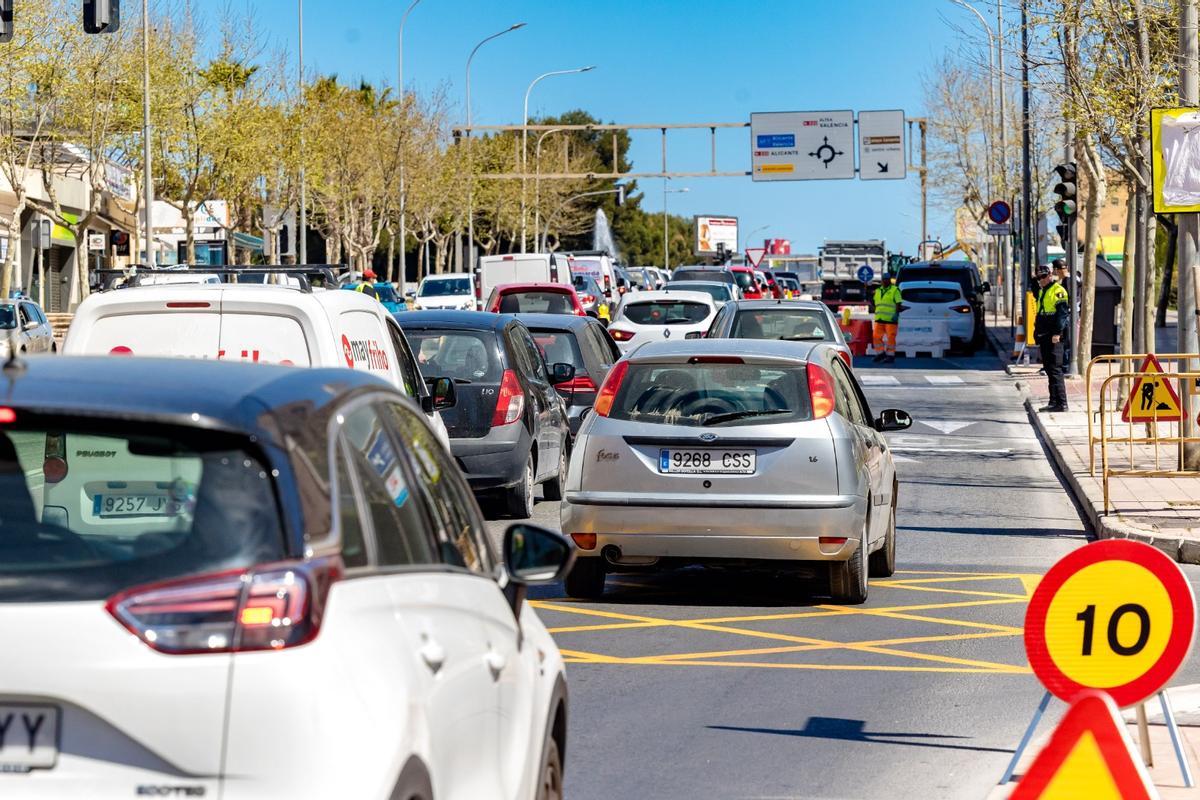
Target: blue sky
(660, 61)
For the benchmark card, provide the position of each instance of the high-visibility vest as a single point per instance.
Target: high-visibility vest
(1050, 298)
(887, 302)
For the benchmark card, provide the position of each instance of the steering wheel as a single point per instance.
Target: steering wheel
(695, 403)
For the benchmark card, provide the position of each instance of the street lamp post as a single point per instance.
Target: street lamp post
(537, 189)
(302, 228)
(525, 140)
(470, 163)
(400, 88)
(666, 222)
(148, 186)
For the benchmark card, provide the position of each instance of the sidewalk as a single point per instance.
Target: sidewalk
(1163, 512)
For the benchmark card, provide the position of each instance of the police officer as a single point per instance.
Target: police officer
(1063, 276)
(1050, 326)
(886, 302)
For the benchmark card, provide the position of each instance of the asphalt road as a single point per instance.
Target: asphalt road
(697, 684)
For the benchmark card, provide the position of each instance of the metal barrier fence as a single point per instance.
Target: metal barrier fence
(1170, 363)
(1158, 435)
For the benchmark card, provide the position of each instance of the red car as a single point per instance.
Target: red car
(747, 282)
(535, 298)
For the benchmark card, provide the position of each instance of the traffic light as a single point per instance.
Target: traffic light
(6, 21)
(101, 16)
(1065, 205)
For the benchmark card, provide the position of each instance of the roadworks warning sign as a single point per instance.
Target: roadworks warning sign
(1153, 398)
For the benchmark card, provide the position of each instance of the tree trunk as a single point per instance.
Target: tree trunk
(14, 246)
(83, 257)
(189, 232)
(1093, 202)
(1148, 294)
(388, 272)
(1164, 292)
(1128, 270)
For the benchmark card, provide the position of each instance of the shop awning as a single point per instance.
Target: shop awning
(246, 241)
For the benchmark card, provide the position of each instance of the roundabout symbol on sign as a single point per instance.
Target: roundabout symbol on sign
(826, 152)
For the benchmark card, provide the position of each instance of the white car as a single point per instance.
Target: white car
(263, 323)
(305, 604)
(24, 328)
(939, 300)
(653, 316)
(448, 290)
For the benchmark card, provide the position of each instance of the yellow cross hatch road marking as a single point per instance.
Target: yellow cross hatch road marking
(798, 643)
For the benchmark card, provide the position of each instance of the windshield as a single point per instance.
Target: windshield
(536, 302)
(443, 287)
(799, 324)
(465, 356)
(385, 293)
(712, 395)
(88, 510)
(8, 317)
(665, 312)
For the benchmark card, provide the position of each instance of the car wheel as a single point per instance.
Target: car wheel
(585, 581)
(520, 497)
(848, 579)
(882, 563)
(553, 488)
(550, 787)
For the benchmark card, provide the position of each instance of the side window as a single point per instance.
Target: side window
(518, 359)
(538, 373)
(594, 340)
(405, 362)
(400, 530)
(31, 313)
(354, 548)
(461, 535)
(22, 318)
(612, 352)
(847, 402)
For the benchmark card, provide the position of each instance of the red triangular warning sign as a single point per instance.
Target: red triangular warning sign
(755, 255)
(1088, 756)
(1152, 398)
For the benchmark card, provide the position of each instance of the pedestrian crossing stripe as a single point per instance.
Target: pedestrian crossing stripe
(1152, 398)
(1089, 756)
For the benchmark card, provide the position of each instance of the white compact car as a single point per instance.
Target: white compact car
(303, 603)
(24, 328)
(448, 290)
(264, 323)
(654, 316)
(940, 300)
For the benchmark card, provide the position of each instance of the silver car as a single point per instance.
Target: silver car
(24, 328)
(789, 320)
(757, 454)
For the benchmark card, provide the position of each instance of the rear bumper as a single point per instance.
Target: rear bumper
(495, 461)
(752, 528)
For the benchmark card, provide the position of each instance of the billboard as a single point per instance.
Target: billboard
(714, 234)
(1175, 153)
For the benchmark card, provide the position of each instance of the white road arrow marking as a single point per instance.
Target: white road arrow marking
(879, 380)
(944, 425)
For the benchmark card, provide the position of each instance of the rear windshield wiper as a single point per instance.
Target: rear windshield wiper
(717, 419)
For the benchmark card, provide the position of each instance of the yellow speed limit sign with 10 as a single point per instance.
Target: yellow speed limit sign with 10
(1115, 615)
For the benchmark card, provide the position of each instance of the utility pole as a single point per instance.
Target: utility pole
(924, 187)
(1069, 245)
(302, 230)
(1189, 231)
(1005, 241)
(148, 189)
(1027, 232)
(403, 193)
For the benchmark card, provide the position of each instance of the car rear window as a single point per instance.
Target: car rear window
(712, 395)
(465, 356)
(744, 280)
(536, 302)
(959, 276)
(558, 347)
(792, 324)
(930, 294)
(720, 275)
(719, 293)
(665, 312)
(89, 510)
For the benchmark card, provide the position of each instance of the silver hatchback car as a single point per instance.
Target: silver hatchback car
(753, 453)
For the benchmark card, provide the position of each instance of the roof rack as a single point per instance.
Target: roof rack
(324, 274)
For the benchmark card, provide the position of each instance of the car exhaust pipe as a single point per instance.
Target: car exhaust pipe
(612, 554)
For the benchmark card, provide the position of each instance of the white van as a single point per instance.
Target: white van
(447, 290)
(259, 323)
(518, 268)
(596, 264)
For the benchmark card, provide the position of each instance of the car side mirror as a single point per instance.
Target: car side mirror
(31, 325)
(534, 555)
(442, 394)
(561, 373)
(893, 419)
(694, 335)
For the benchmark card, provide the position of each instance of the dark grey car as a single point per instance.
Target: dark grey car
(508, 428)
(789, 320)
(585, 344)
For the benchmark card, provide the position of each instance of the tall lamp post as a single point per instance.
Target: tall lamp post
(470, 163)
(148, 186)
(537, 189)
(525, 139)
(302, 228)
(667, 221)
(400, 88)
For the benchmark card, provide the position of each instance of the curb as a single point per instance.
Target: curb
(1184, 551)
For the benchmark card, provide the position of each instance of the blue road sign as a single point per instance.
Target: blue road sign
(776, 140)
(866, 274)
(999, 212)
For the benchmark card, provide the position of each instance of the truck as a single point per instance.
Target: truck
(804, 268)
(839, 263)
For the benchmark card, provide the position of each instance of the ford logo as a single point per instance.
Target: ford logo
(708, 437)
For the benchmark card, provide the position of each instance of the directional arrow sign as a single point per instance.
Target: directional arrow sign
(881, 146)
(802, 145)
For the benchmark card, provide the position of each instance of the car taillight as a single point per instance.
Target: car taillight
(271, 607)
(511, 402)
(609, 389)
(846, 357)
(963, 309)
(584, 541)
(580, 383)
(588, 299)
(620, 335)
(478, 288)
(820, 391)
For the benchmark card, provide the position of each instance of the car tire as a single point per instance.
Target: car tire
(848, 579)
(519, 498)
(553, 488)
(882, 563)
(585, 581)
(550, 782)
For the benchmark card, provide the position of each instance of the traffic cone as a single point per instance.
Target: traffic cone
(1019, 342)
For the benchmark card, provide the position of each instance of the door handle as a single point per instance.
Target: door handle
(495, 662)
(433, 654)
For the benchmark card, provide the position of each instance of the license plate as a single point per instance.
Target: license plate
(28, 737)
(707, 462)
(131, 505)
